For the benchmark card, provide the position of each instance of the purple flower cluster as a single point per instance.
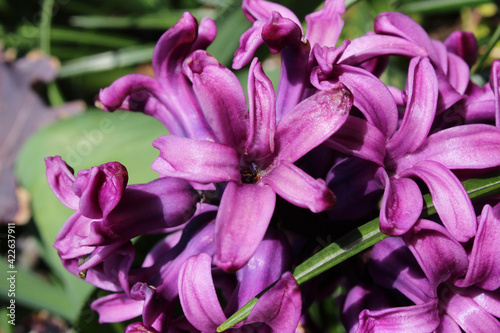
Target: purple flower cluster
(248, 181)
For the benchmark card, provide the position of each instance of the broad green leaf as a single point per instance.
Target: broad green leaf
(358, 240)
(83, 141)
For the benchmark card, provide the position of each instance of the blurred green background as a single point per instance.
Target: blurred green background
(94, 42)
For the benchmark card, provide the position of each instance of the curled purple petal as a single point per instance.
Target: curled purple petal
(422, 92)
(449, 197)
(258, 12)
(262, 113)
(495, 86)
(280, 307)
(393, 266)
(401, 204)
(61, 179)
(370, 95)
(100, 189)
(285, 36)
(463, 44)
(438, 253)
(367, 47)
(197, 294)
(324, 26)
(219, 92)
(398, 24)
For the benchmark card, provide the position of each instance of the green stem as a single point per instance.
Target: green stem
(491, 44)
(45, 23)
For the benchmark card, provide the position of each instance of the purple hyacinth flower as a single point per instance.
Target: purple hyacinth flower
(150, 295)
(449, 59)
(279, 309)
(169, 96)
(412, 153)
(109, 213)
(429, 265)
(254, 155)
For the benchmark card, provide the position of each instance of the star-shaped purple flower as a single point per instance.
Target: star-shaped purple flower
(254, 155)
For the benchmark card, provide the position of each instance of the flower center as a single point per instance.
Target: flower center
(250, 174)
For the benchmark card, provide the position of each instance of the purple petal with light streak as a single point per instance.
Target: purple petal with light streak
(364, 48)
(262, 113)
(197, 294)
(196, 160)
(244, 215)
(474, 146)
(220, 95)
(297, 187)
(412, 319)
(422, 92)
(311, 122)
(468, 314)
(366, 88)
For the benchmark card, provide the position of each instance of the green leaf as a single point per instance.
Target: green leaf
(160, 20)
(432, 6)
(491, 44)
(83, 141)
(358, 240)
(107, 60)
(36, 293)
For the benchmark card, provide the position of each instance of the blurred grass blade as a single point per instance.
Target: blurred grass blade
(161, 20)
(93, 38)
(433, 6)
(107, 60)
(45, 23)
(360, 239)
(491, 44)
